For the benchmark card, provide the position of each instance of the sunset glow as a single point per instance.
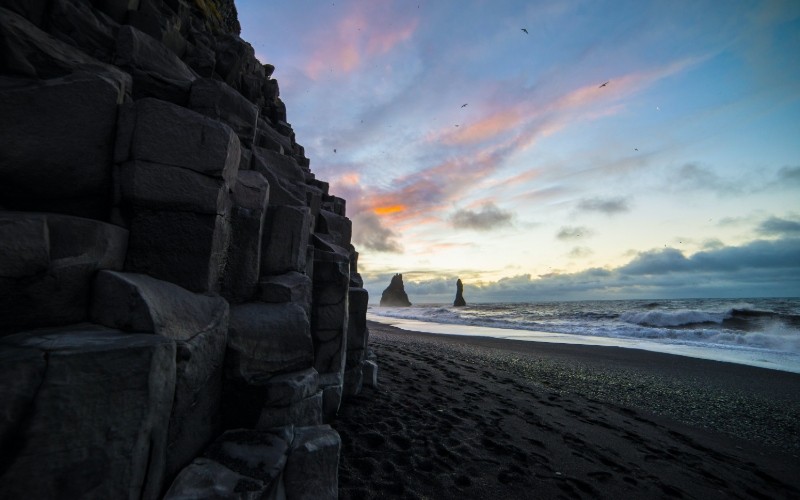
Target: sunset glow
(389, 210)
(616, 149)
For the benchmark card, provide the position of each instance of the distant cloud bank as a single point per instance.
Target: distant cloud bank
(489, 217)
(608, 206)
(758, 268)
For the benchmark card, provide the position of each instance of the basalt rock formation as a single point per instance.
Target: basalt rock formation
(180, 308)
(395, 294)
(459, 302)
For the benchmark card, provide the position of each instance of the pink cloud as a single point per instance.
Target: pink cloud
(527, 117)
(487, 128)
(427, 195)
(382, 42)
(357, 37)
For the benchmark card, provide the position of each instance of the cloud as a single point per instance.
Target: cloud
(357, 37)
(779, 227)
(656, 262)
(486, 128)
(692, 176)
(761, 268)
(695, 177)
(789, 175)
(489, 217)
(429, 191)
(452, 163)
(713, 244)
(525, 114)
(580, 252)
(573, 232)
(608, 206)
(370, 233)
(759, 254)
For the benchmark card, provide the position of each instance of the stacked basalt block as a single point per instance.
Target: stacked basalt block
(180, 308)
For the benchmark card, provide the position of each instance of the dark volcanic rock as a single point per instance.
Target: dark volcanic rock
(459, 302)
(395, 293)
(151, 183)
(267, 339)
(97, 424)
(311, 469)
(241, 464)
(47, 262)
(64, 165)
(156, 71)
(243, 265)
(199, 325)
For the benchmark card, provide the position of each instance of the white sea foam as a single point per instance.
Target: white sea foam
(762, 328)
(775, 337)
(674, 318)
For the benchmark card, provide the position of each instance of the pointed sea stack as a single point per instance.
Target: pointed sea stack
(395, 293)
(459, 302)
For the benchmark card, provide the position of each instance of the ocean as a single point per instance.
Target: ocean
(758, 332)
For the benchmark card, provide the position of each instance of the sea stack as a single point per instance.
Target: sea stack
(395, 293)
(459, 302)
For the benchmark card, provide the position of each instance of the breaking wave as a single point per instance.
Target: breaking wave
(771, 324)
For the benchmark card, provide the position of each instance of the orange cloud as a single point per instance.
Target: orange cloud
(391, 209)
(424, 197)
(350, 178)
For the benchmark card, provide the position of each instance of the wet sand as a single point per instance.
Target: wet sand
(482, 418)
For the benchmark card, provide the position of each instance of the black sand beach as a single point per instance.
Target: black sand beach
(482, 418)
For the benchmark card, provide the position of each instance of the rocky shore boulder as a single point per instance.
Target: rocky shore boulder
(459, 302)
(395, 294)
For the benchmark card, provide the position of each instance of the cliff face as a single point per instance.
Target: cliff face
(179, 296)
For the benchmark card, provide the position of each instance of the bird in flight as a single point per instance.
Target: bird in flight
(464, 105)
(334, 150)
(636, 149)
(523, 29)
(603, 85)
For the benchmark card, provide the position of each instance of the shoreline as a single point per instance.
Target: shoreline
(478, 417)
(768, 360)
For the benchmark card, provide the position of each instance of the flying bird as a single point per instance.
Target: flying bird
(334, 150)
(636, 149)
(603, 85)
(464, 105)
(526, 31)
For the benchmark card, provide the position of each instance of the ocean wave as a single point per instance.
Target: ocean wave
(736, 318)
(776, 337)
(683, 317)
(725, 326)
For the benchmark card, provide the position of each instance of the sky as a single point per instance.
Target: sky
(559, 150)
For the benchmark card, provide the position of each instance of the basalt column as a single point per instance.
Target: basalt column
(180, 311)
